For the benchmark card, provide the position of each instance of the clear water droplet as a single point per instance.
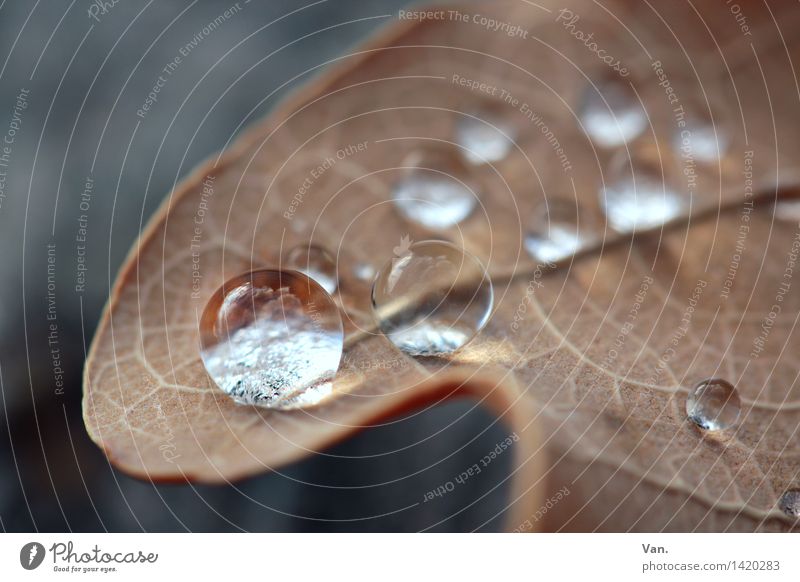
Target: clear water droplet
(317, 263)
(273, 339)
(713, 404)
(364, 271)
(637, 196)
(436, 190)
(486, 135)
(611, 113)
(701, 139)
(790, 503)
(432, 298)
(554, 233)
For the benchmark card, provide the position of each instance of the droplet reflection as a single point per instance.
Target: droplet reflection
(486, 135)
(432, 298)
(638, 194)
(436, 190)
(317, 263)
(554, 233)
(790, 503)
(612, 114)
(713, 404)
(272, 338)
(701, 140)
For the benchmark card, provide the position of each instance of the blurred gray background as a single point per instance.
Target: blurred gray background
(83, 69)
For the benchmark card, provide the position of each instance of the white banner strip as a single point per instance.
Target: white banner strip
(355, 557)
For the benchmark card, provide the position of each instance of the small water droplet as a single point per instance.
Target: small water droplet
(317, 263)
(437, 189)
(273, 339)
(637, 196)
(432, 298)
(701, 140)
(611, 113)
(790, 503)
(486, 135)
(554, 233)
(364, 271)
(713, 404)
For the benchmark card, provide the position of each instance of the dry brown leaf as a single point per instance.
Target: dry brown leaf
(611, 429)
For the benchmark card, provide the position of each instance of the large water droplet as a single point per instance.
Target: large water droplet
(316, 262)
(611, 113)
(554, 233)
(436, 190)
(790, 503)
(713, 404)
(636, 195)
(432, 298)
(272, 338)
(701, 139)
(487, 135)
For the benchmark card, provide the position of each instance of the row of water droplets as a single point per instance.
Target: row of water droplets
(637, 196)
(439, 193)
(274, 338)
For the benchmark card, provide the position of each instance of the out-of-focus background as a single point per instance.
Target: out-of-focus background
(72, 77)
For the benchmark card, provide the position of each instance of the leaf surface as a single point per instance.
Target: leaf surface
(598, 409)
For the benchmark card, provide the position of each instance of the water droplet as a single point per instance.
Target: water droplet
(554, 234)
(713, 404)
(272, 338)
(364, 271)
(611, 113)
(701, 140)
(790, 503)
(432, 298)
(317, 263)
(487, 135)
(637, 196)
(437, 190)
